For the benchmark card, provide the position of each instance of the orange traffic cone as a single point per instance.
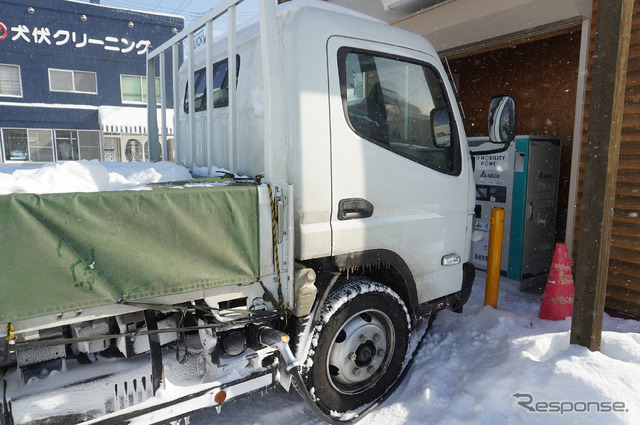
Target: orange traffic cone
(557, 302)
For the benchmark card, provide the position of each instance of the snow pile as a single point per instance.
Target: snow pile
(491, 366)
(87, 176)
(487, 366)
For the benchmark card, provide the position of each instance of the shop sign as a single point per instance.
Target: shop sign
(61, 37)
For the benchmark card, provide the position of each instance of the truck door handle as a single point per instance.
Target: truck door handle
(351, 208)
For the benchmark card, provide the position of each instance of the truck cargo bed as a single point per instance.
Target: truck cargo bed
(71, 251)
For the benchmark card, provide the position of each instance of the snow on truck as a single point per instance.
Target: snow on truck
(147, 306)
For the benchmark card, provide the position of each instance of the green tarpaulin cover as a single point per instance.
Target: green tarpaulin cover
(62, 252)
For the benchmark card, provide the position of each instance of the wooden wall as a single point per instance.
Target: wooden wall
(542, 76)
(623, 284)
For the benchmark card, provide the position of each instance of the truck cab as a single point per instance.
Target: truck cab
(359, 121)
(374, 146)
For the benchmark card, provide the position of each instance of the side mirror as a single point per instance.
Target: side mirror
(502, 119)
(441, 128)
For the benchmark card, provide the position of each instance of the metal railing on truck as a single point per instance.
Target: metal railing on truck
(275, 144)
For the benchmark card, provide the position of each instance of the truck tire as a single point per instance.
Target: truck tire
(359, 346)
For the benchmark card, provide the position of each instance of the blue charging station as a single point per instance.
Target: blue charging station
(524, 181)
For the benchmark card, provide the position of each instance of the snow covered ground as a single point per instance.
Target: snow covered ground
(487, 366)
(483, 366)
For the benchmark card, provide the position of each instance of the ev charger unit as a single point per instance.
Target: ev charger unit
(524, 181)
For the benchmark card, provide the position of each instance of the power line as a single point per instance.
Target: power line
(186, 6)
(141, 6)
(189, 15)
(158, 5)
(176, 9)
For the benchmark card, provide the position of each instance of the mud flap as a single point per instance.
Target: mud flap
(469, 275)
(155, 349)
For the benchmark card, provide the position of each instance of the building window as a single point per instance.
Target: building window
(134, 89)
(133, 151)
(10, 83)
(111, 148)
(23, 144)
(40, 145)
(73, 145)
(89, 142)
(67, 145)
(72, 81)
(16, 146)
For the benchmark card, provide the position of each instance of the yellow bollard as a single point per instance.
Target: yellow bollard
(496, 231)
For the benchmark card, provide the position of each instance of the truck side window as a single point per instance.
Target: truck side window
(220, 86)
(401, 105)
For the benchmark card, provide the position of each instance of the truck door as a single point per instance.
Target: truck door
(400, 182)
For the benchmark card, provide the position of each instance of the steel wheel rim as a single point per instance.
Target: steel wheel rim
(360, 351)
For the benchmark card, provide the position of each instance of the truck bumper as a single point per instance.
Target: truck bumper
(123, 394)
(186, 404)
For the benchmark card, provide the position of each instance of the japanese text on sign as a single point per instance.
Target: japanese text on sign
(61, 37)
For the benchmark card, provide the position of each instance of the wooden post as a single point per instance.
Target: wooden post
(609, 70)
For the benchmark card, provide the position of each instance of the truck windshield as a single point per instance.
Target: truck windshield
(392, 102)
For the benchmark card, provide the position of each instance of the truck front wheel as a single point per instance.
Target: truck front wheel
(359, 346)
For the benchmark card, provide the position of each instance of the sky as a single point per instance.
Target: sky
(189, 9)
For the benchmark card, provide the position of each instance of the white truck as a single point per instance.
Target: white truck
(356, 226)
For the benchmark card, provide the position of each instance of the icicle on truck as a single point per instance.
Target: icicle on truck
(147, 306)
